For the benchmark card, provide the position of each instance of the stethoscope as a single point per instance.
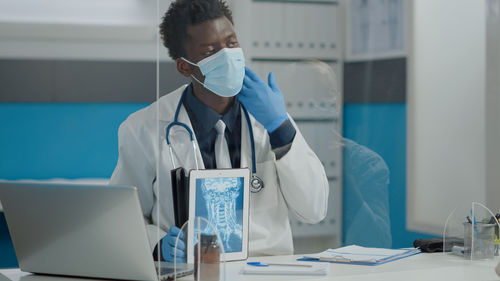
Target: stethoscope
(256, 183)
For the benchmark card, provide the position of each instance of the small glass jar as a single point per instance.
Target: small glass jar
(206, 259)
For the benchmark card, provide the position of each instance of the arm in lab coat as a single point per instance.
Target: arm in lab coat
(135, 167)
(303, 181)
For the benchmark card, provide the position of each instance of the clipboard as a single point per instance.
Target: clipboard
(358, 255)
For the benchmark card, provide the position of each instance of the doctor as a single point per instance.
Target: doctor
(200, 38)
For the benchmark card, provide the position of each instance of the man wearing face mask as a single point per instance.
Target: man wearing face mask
(200, 38)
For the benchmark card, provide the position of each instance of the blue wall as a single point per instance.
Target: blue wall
(44, 140)
(382, 128)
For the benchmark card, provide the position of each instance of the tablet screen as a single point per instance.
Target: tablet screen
(220, 201)
(221, 197)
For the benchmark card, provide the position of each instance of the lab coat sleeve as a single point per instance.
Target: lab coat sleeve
(303, 181)
(135, 168)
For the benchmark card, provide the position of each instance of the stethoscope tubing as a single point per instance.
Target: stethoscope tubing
(177, 123)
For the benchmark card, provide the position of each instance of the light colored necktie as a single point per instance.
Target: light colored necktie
(222, 158)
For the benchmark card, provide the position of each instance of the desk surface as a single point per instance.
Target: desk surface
(420, 267)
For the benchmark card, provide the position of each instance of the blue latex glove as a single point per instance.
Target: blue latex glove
(264, 101)
(168, 245)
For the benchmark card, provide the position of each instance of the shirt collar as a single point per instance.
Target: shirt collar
(207, 117)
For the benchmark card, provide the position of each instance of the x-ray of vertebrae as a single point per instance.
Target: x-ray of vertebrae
(223, 201)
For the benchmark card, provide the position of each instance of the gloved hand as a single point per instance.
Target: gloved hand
(264, 101)
(168, 245)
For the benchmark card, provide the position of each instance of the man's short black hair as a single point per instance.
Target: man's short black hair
(181, 14)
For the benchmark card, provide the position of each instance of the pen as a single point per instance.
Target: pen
(475, 224)
(258, 263)
(476, 228)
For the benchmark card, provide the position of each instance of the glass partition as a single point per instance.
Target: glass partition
(379, 117)
(70, 73)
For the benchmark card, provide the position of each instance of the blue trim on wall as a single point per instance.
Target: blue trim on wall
(67, 140)
(382, 128)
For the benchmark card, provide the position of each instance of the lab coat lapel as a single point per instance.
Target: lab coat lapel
(246, 148)
(182, 146)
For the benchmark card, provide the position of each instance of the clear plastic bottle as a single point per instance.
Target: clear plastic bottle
(206, 259)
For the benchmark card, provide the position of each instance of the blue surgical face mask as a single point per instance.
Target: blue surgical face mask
(224, 71)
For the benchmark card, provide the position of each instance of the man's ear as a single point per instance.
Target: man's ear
(183, 67)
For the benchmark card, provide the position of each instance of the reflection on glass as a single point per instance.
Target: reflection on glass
(366, 197)
(220, 200)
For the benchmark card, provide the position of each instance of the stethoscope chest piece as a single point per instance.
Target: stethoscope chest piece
(256, 184)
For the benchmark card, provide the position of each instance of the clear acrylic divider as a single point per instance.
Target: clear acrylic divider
(201, 246)
(469, 231)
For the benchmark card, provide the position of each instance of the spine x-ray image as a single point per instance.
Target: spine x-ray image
(220, 201)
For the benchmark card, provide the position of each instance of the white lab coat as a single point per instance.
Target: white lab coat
(297, 182)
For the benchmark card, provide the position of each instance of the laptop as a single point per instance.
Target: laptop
(81, 230)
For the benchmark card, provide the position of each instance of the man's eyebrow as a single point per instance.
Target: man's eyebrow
(207, 44)
(232, 35)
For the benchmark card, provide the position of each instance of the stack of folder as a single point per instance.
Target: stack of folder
(361, 255)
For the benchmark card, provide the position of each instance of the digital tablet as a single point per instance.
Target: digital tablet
(222, 198)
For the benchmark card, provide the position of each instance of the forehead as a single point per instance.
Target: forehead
(209, 32)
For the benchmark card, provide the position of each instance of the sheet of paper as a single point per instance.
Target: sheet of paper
(316, 269)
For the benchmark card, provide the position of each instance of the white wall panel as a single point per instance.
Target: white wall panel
(446, 105)
(493, 106)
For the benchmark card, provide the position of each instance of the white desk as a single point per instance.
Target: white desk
(419, 267)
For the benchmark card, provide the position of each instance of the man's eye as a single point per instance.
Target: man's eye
(233, 44)
(207, 53)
